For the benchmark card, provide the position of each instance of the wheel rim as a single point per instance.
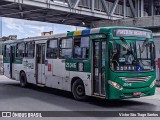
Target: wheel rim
(80, 90)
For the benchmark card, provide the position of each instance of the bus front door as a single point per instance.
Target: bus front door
(40, 64)
(99, 52)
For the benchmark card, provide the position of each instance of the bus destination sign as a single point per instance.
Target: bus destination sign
(131, 32)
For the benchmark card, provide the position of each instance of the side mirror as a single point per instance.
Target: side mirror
(154, 51)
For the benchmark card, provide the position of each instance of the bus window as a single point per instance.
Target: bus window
(52, 47)
(131, 55)
(20, 50)
(30, 47)
(81, 47)
(66, 48)
(7, 51)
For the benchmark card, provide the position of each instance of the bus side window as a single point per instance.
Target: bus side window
(30, 47)
(4, 52)
(7, 51)
(20, 50)
(66, 48)
(52, 49)
(81, 47)
(13, 54)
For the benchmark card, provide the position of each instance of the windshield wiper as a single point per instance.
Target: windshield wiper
(145, 43)
(128, 47)
(139, 50)
(125, 43)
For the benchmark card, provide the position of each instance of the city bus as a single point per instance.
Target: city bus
(107, 62)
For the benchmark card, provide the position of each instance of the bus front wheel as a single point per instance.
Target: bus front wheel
(78, 90)
(23, 79)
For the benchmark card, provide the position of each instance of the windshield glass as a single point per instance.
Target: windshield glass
(132, 55)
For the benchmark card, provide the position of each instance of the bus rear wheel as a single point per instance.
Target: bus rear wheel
(23, 80)
(78, 90)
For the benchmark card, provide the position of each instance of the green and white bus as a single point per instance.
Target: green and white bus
(108, 62)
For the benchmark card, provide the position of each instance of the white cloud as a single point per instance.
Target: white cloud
(31, 31)
(40, 28)
(10, 23)
(25, 28)
(20, 25)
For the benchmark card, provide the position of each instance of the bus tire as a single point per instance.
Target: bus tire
(23, 79)
(78, 90)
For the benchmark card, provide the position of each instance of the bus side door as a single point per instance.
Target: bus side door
(40, 63)
(6, 61)
(12, 58)
(98, 66)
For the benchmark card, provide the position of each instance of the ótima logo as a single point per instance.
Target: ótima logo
(139, 68)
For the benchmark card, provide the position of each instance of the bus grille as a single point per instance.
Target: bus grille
(136, 79)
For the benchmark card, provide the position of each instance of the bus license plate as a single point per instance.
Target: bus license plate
(137, 93)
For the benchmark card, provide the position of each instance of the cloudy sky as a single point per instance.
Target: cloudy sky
(25, 28)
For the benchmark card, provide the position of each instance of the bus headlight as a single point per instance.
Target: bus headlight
(152, 84)
(115, 85)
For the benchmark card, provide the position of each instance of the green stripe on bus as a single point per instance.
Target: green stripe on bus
(16, 61)
(103, 30)
(6, 59)
(70, 34)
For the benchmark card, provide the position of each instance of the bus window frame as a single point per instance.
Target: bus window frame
(14, 45)
(17, 48)
(57, 48)
(90, 49)
(33, 50)
(80, 36)
(127, 70)
(65, 48)
(5, 50)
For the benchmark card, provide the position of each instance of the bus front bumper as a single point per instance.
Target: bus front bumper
(129, 93)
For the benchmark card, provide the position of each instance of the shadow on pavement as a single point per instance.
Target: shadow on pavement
(63, 98)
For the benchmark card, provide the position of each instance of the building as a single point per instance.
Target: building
(47, 33)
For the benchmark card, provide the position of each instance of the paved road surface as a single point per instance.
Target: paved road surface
(15, 98)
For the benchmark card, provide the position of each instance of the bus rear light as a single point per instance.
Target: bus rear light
(115, 85)
(152, 84)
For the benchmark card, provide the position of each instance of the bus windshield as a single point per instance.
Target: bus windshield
(132, 55)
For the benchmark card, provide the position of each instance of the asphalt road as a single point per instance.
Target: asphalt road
(15, 98)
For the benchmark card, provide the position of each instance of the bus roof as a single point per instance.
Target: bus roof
(76, 33)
